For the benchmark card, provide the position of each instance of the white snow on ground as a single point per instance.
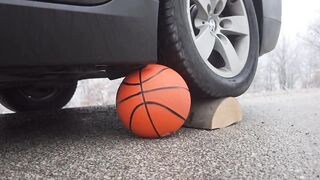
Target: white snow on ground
(100, 92)
(3, 110)
(95, 92)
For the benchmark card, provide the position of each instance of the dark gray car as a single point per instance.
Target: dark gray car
(48, 45)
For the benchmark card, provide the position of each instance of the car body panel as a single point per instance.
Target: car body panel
(269, 24)
(48, 34)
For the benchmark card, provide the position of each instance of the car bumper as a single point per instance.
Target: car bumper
(46, 34)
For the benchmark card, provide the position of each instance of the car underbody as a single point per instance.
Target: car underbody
(82, 39)
(47, 46)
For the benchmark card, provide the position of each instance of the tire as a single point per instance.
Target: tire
(178, 49)
(37, 98)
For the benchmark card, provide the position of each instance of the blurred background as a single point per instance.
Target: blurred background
(295, 63)
(293, 66)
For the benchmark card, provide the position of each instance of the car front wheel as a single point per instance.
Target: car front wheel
(214, 44)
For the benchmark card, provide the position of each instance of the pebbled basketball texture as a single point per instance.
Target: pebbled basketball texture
(153, 102)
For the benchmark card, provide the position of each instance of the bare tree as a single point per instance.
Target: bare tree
(265, 78)
(312, 39)
(286, 66)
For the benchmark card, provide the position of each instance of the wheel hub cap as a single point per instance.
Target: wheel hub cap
(212, 25)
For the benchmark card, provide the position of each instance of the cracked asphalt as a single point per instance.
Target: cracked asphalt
(279, 138)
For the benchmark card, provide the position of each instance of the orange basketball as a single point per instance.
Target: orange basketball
(153, 102)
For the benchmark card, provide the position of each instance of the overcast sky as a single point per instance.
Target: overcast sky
(298, 15)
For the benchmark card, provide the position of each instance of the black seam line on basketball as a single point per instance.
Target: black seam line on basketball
(153, 103)
(167, 108)
(145, 105)
(141, 82)
(132, 114)
(151, 90)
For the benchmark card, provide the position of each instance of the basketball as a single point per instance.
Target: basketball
(153, 102)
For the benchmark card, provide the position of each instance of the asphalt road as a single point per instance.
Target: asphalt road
(279, 138)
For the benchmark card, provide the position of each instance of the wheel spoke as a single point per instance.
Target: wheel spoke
(203, 5)
(234, 25)
(200, 24)
(205, 43)
(218, 6)
(228, 53)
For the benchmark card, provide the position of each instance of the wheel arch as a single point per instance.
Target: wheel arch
(259, 12)
(269, 13)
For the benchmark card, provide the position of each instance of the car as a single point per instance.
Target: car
(47, 46)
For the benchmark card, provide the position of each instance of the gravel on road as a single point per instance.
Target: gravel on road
(279, 138)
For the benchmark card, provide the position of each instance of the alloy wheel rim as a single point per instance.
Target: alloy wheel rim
(221, 34)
